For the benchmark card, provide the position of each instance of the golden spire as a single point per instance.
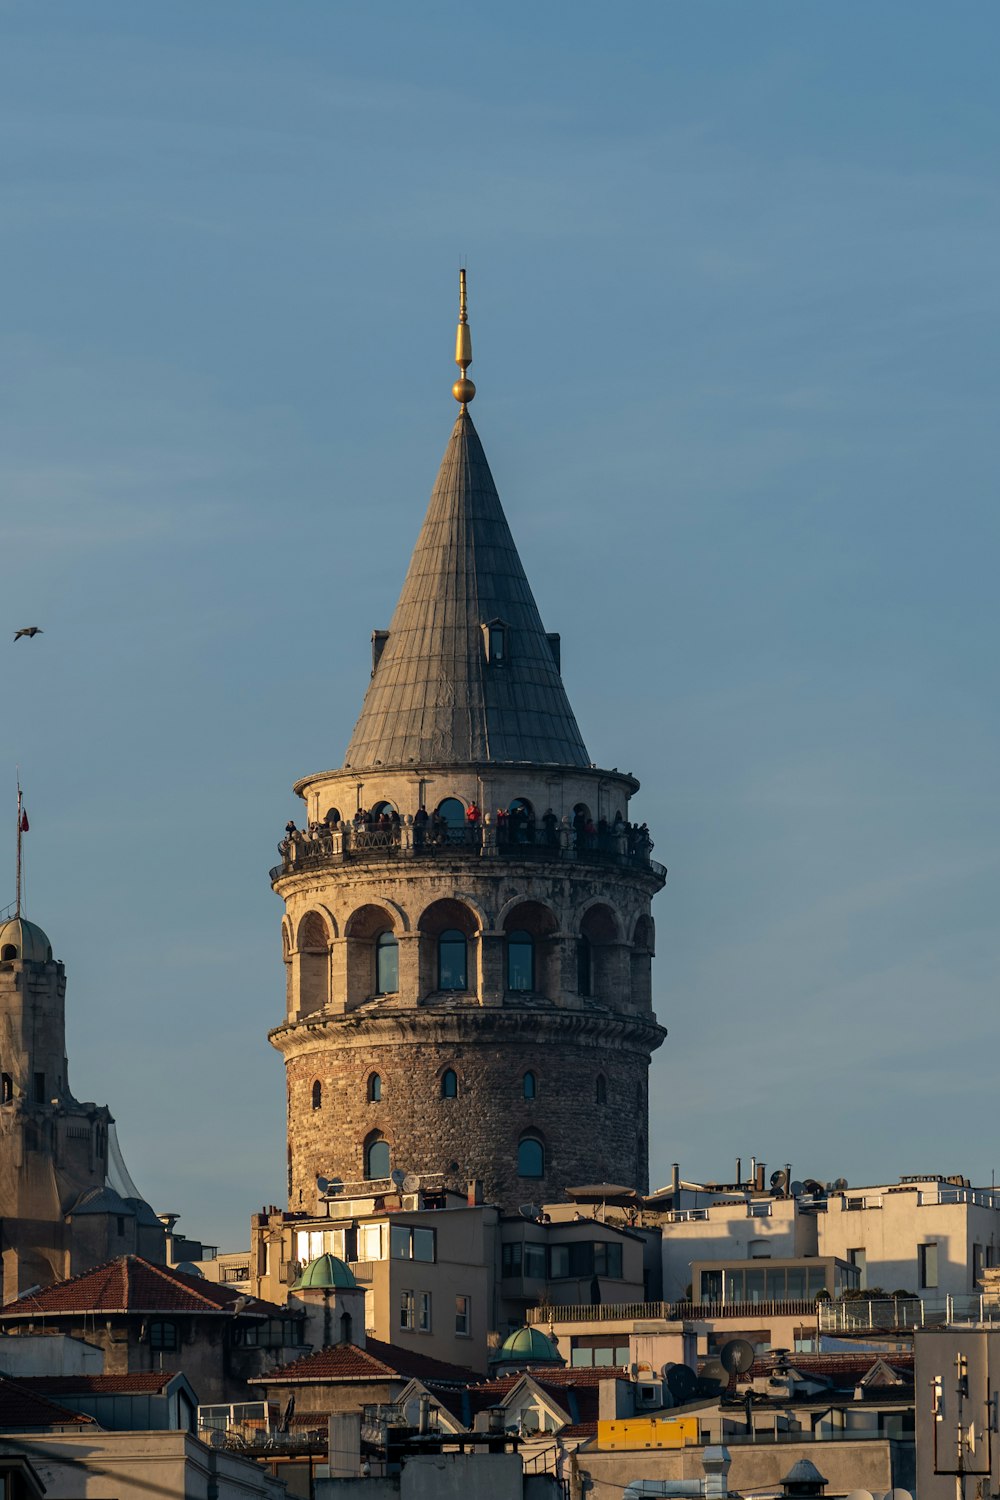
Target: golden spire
(463, 390)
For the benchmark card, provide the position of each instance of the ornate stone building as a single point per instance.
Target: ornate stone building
(66, 1200)
(468, 995)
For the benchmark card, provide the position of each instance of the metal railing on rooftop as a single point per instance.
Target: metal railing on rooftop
(670, 1312)
(858, 1314)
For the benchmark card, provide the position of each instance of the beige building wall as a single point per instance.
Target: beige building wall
(95, 1465)
(771, 1227)
(876, 1466)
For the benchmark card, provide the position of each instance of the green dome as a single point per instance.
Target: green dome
(323, 1273)
(528, 1346)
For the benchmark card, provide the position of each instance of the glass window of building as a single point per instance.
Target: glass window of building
(407, 1309)
(449, 1084)
(530, 1158)
(387, 964)
(528, 1086)
(452, 960)
(374, 1088)
(377, 1159)
(463, 1319)
(520, 961)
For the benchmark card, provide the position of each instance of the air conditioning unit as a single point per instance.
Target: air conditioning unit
(411, 1201)
(648, 1393)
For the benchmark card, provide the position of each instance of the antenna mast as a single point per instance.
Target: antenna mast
(19, 836)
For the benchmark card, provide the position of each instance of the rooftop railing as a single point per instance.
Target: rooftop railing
(669, 1312)
(307, 849)
(860, 1315)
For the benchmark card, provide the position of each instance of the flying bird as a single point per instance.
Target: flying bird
(29, 630)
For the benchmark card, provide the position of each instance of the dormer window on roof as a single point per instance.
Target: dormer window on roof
(495, 641)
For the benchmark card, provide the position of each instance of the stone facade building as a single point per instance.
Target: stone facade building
(66, 1201)
(467, 928)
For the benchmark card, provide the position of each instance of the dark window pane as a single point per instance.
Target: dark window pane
(520, 961)
(387, 965)
(452, 961)
(530, 1159)
(449, 1084)
(377, 1164)
(529, 1086)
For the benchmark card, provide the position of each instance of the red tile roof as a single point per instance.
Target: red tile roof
(839, 1369)
(377, 1361)
(21, 1409)
(141, 1383)
(131, 1284)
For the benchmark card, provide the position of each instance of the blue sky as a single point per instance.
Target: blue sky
(735, 309)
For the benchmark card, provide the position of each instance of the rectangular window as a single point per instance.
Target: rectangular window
(608, 1261)
(534, 1261)
(406, 1310)
(977, 1265)
(424, 1323)
(121, 1223)
(370, 1242)
(463, 1316)
(859, 1258)
(411, 1244)
(558, 1262)
(39, 1088)
(510, 1260)
(927, 1257)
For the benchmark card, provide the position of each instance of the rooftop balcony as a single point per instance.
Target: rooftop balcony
(324, 846)
(902, 1314)
(667, 1312)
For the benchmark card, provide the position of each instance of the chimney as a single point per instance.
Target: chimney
(475, 1194)
(759, 1182)
(739, 1170)
(675, 1180)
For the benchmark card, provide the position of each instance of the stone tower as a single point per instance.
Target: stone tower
(59, 1213)
(468, 995)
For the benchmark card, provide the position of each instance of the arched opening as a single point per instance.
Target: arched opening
(449, 1084)
(314, 963)
(332, 816)
(386, 964)
(529, 1086)
(376, 1157)
(530, 1157)
(532, 960)
(601, 1090)
(374, 1088)
(317, 1095)
(601, 932)
(520, 821)
(382, 810)
(520, 961)
(641, 964)
(372, 954)
(448, 953)
(7, 952)
(453, 813)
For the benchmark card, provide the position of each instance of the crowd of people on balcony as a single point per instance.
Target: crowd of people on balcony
(382, 826)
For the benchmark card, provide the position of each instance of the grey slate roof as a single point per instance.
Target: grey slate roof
(434, 699)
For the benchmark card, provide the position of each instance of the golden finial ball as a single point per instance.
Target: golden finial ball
(463, 390)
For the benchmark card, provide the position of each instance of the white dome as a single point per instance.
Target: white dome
(26, 940)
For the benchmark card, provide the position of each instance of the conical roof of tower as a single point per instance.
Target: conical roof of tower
(435, 698)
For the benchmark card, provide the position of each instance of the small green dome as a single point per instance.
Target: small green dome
(528, 1346)
(323, 1273)
(20, 939)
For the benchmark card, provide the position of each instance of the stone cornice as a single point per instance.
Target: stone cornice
(478, 1026)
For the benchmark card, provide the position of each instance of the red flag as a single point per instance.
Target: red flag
(24, 821)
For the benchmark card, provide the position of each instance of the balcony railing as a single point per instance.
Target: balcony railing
(890, 1314)
(308, 849)
(670, 1312)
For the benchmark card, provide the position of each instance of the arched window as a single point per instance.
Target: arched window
(383, 810)
(520, 961)
(8, 952)
(449, 1084)
(531, 1158)
(452, 960)
(601, 1092)
(377, 1158)
(386, 964)
(374, 1089)
(317, 1095)
(332, 815)
(583, 966)
(452, 811)
(529, 1086)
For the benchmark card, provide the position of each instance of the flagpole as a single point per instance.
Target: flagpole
(19, 848)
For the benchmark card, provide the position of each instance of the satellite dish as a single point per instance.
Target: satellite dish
(527, 1210)
(713, 1376)
(736, 1356)
(779, 1181)
(860, 1495)
(682, 1383)
(323, 1184)
(796, 1190)
(334, 1186)
(841, 1184)
(398, 1176)
(897, 1495)
(815, 1188)
(411, 1183)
